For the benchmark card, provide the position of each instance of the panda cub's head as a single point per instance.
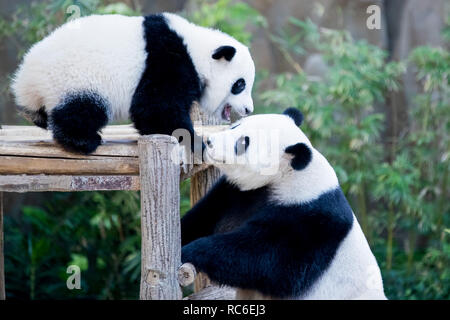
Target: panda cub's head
(236, 74)
(233, 76)
(225, 67)
(229, 80)
(271, 150)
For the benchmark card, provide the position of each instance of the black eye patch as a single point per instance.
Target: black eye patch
(238, 86)
(302, 155)
(241, 145)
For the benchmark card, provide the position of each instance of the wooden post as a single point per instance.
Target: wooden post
(160, 218)
(201, 182)
(2, 257)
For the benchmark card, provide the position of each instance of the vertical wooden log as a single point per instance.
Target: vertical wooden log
(160, 218)
(201, 183)
(2, 256)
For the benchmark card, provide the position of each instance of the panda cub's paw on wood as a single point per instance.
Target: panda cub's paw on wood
(277, 225)
(150, 69)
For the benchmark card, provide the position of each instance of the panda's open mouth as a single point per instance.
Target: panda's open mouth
(226, 112)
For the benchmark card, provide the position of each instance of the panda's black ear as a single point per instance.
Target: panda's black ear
(226, 52)
(295, 114)
(302, 155)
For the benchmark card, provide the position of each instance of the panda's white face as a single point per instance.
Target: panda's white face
(271, 149)
(229, 85)
(225, 67)
(253, 149)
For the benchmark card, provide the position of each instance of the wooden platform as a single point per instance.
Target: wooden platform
(31, 161)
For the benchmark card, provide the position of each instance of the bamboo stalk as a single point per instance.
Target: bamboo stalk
(412, 247)
(363, 212)
(390, 239)
(441, 206)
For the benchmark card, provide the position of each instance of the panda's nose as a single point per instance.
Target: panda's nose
(209, 142)
(247, 111)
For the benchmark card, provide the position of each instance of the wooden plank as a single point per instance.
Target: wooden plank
(30, 170)
(213, 293)
(160, 218)
(41, 183)
(50, 150)
(72, 183)
(123, 138)
(115, 131)
(52, 166)
(7, 127)
(21, 130)
(36, 131)
(2, 255)
(43, 170)
(42, 145)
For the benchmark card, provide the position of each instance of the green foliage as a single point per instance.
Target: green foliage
(424, 207)
(446, 31)
(32, 22)
(117, 8)
(232, 17)
(339, 109)
(98, 231)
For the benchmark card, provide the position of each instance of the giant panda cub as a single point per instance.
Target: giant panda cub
(277, 225)
(98, 68)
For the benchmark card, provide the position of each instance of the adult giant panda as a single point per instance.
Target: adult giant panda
(104, 67)
(280, 228)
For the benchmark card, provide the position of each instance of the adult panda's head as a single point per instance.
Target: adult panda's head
(271, 150)
(225, 67)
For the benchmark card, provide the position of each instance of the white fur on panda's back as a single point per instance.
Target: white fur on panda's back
(105, 54)
(352, 274)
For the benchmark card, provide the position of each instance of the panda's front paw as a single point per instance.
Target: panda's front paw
(188, 254)
(196, 253)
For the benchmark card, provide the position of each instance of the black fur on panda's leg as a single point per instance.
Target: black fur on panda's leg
(77, 120)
